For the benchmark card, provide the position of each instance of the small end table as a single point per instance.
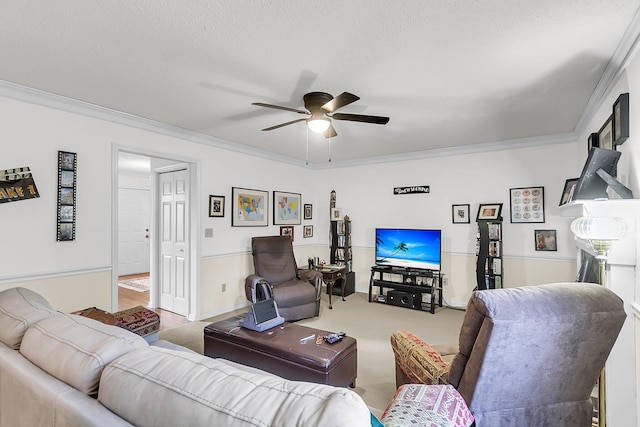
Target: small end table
(329, 276)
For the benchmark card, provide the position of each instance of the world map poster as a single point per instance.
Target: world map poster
(286, 208)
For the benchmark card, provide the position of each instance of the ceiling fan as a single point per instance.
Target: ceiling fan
(322, 108)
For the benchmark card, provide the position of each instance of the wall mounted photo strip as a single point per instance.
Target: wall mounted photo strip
(66, 209)
(489, 211)
(527, 204)
(249, 207)
(286, 208)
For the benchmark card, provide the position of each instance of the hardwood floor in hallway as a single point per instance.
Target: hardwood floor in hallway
(128, 298)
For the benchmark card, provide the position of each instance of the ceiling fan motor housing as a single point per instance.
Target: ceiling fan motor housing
(313, 101)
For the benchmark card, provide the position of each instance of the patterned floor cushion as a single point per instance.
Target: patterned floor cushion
(427, 405)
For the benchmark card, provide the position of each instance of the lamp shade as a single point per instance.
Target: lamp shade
(318, 125)
(599, 228)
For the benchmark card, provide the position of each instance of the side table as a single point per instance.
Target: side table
(329, 276)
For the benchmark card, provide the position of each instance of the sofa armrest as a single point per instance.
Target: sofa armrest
(249, 284)
(416, 361)
(312, 276)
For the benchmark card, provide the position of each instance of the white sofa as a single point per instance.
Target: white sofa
(60, 369)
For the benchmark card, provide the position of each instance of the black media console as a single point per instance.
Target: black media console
(408, 285)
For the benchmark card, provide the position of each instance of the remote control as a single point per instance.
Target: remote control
(334, 338)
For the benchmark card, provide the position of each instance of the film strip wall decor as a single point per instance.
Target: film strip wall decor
(67, 163)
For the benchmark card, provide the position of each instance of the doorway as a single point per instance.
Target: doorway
(136, 247)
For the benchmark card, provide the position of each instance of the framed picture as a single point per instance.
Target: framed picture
(567, 192)
(67, 175)
(308, 211)
(488, 212)
(216, 206)
(336, 214)
(460, 214)
(286, 208)
(527, 204)
(593, 141)
(287, 230)
(249, 207)
(546, 240)
(621, 119)
(308, 231)
(605, 134)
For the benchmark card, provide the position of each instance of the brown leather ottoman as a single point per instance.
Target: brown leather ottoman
(279, 351)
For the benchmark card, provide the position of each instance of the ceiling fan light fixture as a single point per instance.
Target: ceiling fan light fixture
(318, 125)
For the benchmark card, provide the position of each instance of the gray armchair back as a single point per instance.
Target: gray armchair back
(531, 355)
(297, 292)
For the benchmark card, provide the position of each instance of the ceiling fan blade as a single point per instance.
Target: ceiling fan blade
(378, 120)
(345, 98)
(330, 132)
(285, 124)
(278, 107)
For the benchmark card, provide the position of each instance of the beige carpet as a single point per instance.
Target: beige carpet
(371, 324)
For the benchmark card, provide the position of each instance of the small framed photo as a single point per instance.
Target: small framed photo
(336, 214)
(308, 231)
(546, 240)
(216, 206)
(308, 211)
(621, 119)
(605, 134)
(249, 207)
(287, 230)
(489, 211)
(286, 208)
(567, 192)
(460, 214)
(527, 204)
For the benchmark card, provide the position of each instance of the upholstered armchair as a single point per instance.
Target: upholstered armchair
(296, 291)
(526, 356)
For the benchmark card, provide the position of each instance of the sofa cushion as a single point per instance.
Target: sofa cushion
(19, 309)
(217, 393)
(76, 349)
(420, 362)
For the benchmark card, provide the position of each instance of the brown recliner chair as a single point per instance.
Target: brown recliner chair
(296, 291)
(526, 356)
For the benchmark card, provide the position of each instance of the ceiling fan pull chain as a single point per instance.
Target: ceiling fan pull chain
(307, 157)
(329, 150)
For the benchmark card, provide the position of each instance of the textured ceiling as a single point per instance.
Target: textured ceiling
(448, 73)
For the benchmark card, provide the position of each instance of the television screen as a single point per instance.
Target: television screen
(408, 248)
(591, 185)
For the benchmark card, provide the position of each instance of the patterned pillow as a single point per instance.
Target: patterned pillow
(418, 360)
(427, 405)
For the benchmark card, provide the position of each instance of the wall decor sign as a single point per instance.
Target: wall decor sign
(67, 174)
(416, 189)
(17, 184)
(286, 208)
(489, 211)
(287, 230)
(249, 207)
(527, 204)
(546, 240)
(621, 119)
(460, 214)
(216, 206)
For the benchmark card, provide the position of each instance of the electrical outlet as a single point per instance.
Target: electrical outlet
(208, 232)
(224, 287)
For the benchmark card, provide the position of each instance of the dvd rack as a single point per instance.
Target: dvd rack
(489, 255)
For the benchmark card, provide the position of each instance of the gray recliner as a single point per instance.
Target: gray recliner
(526, 356)
(296, 291)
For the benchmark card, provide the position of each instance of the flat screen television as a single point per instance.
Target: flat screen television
(409, 248)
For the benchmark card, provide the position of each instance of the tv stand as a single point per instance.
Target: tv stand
(408, 285)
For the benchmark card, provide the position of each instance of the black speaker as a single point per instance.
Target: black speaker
(404, 299)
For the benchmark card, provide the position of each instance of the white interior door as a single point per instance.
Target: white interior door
(174, 241)
(134, 217)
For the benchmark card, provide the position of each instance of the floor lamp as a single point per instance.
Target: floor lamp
(600, 232)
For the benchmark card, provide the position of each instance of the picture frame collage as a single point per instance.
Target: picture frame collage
(66, 207)
(250, 208)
